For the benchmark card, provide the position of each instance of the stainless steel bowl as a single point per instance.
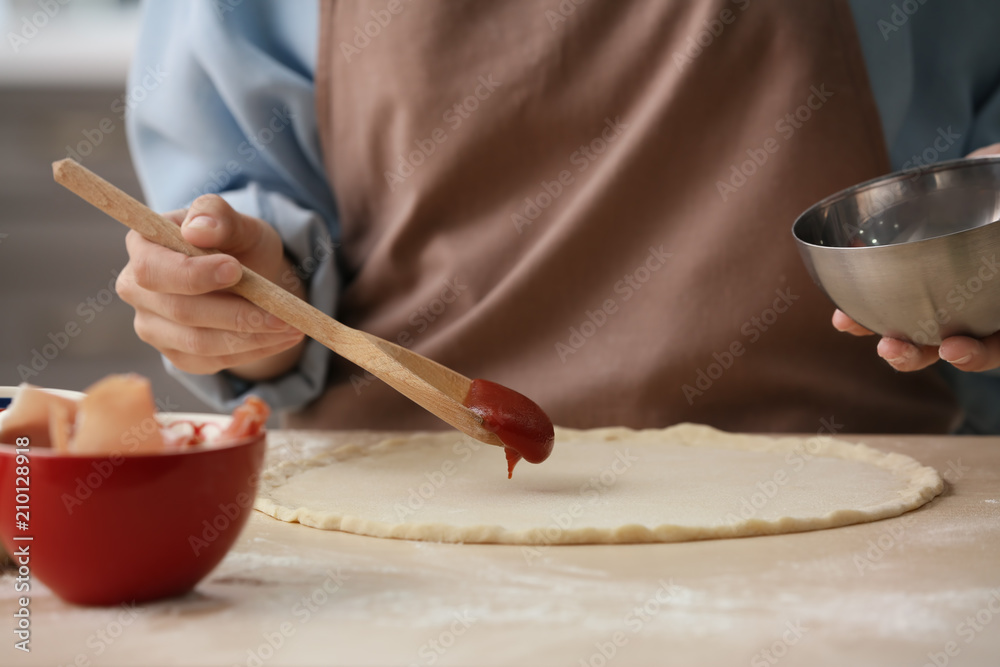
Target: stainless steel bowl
(912, 255)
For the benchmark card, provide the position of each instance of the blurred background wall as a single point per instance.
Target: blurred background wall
(63, 66)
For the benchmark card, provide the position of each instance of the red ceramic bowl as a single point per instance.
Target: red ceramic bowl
(113, 529)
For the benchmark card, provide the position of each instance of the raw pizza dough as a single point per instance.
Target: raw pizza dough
(612, 485)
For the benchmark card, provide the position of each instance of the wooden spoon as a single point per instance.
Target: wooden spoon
(440, 390)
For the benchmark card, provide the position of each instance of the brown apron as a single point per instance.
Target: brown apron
(591, 202)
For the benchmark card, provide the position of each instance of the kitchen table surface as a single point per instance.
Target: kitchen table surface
(923, 588)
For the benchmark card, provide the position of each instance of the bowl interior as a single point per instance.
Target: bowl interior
(950, 198)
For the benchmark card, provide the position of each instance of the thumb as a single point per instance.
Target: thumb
(212, 223)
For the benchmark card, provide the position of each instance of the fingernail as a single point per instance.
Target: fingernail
(227, 274)
(904, 356)
(275, 323)
(964, 360)
(202, 222)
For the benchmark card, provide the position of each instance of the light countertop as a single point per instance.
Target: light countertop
(904, 591)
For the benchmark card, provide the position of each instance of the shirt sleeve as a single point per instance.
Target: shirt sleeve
(934, 70)
(985, 132)
(221, 100)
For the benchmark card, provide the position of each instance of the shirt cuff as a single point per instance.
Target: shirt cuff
(310, 247)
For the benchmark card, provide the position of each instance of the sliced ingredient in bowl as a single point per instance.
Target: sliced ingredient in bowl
(117, 415)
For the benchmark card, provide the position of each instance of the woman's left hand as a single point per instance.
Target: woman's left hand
(962, 352)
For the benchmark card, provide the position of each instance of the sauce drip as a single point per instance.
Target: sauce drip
(522, 426)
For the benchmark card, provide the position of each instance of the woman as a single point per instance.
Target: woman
(587, 201)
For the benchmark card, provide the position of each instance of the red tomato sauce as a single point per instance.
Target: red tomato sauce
(522, 426)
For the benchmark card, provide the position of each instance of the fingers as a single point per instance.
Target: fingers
(905, 356)
(157, 269)
(212, 223)
(962, 352)
(175, 216)
(971, 354)
(181, 308)
(209, 350)
(202, 365)
(218, 310)
(841, 322)
(901, 355)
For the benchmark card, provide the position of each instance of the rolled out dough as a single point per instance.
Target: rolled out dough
(612, 485)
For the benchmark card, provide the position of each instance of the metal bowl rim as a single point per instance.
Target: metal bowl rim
(961, 163)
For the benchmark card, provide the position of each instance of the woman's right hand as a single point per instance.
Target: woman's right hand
(183, 310)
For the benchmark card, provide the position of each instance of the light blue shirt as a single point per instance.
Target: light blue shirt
(234, 114)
